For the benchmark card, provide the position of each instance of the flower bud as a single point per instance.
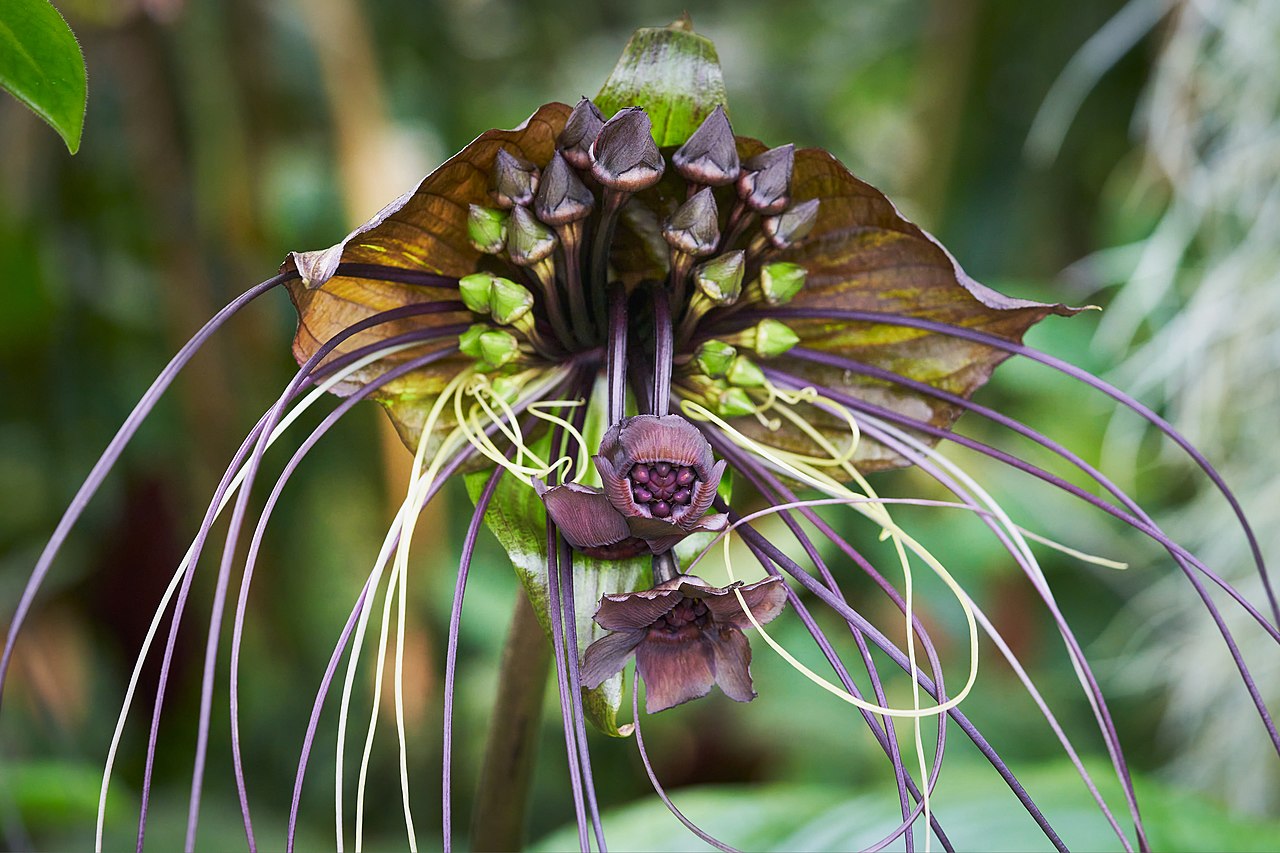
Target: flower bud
(528, 240)
(720, 279)
(510, 301)
(710, 156)
(793, 225)
(562, 196)
(765, 182)
(773, 338)
(714, 358)
(735, 403)
(514, 180)
(492, 348)
(477, 290)
(487, 228)
(624, 155)
(781, 281)
(695, 226)
(744, 373)
(580, 130)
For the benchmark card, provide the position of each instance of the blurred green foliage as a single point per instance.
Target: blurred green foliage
(223, 133)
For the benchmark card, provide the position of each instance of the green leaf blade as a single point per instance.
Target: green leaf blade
(41, 65)
(673, 73)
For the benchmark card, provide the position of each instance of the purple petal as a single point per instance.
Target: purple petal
(671, 438)
(607, 656)
(704, 490)
(633, 610)
(675, 670)
(616, 488)
(766, 600)
(733, 664)
(584, 515)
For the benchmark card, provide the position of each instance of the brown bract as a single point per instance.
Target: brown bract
(425, 230)
(686, 636)
(861, 254)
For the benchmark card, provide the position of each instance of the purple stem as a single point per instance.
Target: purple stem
(1075, 373)
(653, 777)
(451, 654)
(663, 351)
(562, 681)
(1183, 557)
(749, 533)
(109, 456)
(762, 480)
(617, 353)
(766, 481)
(233, 530)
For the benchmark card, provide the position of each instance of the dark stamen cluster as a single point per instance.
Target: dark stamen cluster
(690, 612)
(661, 484)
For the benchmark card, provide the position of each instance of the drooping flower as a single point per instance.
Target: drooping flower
(686, 636)
(630, 269)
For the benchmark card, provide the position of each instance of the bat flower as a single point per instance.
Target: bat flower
(659, 479)
(712, 316)
(686, 636)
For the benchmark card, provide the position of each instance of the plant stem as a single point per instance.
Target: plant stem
(497, 823)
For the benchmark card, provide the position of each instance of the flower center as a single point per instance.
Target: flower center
(689, 613)
(662, 487)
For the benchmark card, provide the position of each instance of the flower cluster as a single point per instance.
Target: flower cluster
(585, 312)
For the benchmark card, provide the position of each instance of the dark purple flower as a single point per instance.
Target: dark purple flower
(659, 478)
(686, 636)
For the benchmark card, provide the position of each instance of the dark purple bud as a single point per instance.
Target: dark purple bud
(624, 155)
(793, 225)
(581, 129)
(528, 240)
(765, 182)
(695, 226)
(710, 156)
(562, 196)
(514, 180)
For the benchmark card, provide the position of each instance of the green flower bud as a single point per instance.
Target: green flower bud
(735, 403)
(773, 338)
(781, 281)
(490, 347)
(476, 290)
(510, 301)
(720, 279)
(714, 358)
(487, 228)
(528, 240)
(744, 373)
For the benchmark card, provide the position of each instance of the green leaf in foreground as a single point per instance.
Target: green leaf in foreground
(41, 65)
(975, 809)
(673, 73)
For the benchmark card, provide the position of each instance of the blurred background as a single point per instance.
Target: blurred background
(1099, 152)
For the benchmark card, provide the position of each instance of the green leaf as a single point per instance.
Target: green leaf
(673, 73)
(518, 520)
(976, 809)
(41, 65)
